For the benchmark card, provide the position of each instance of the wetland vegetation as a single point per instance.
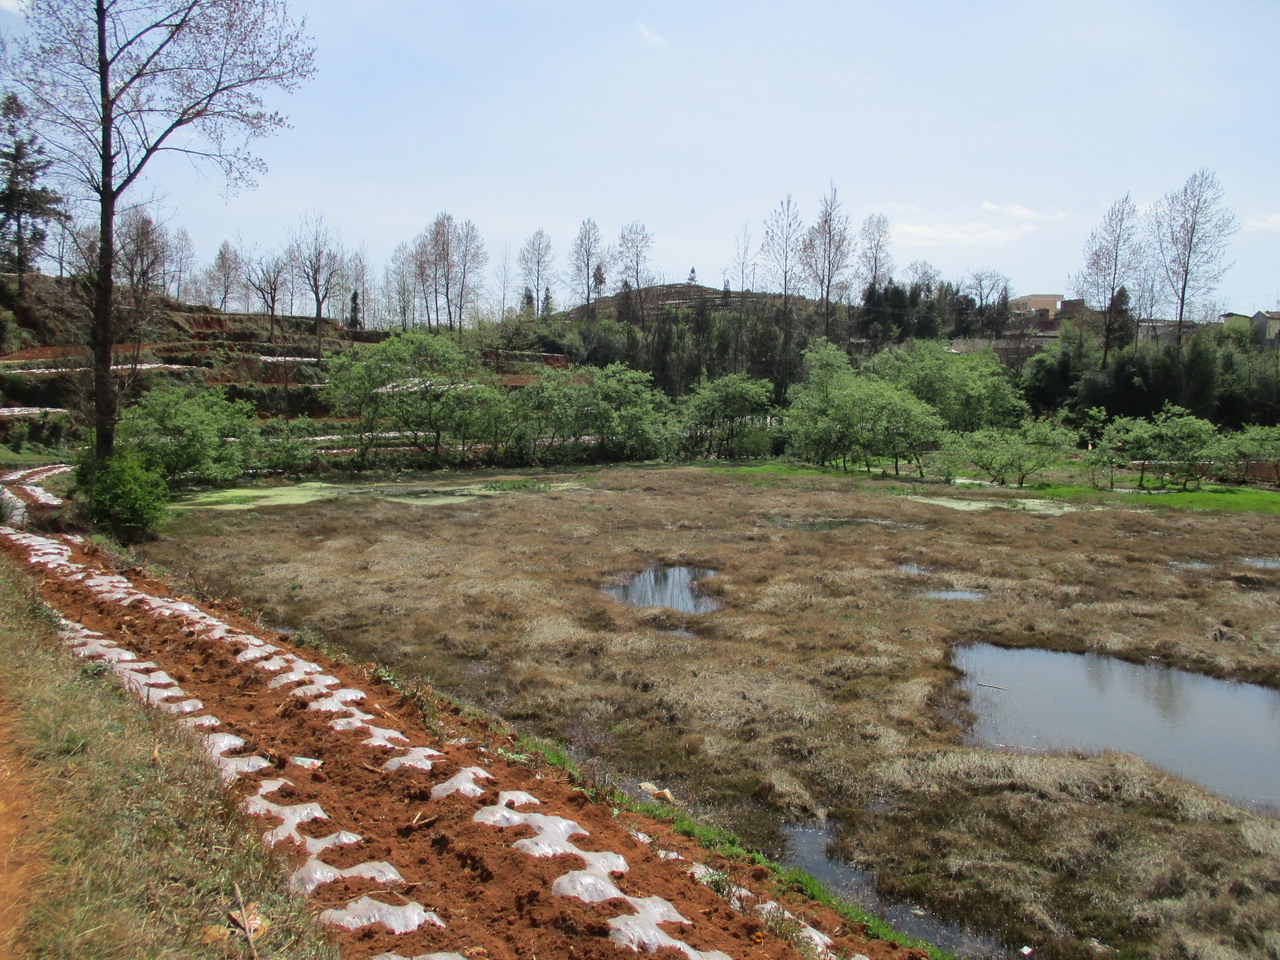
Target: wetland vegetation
(824, 684)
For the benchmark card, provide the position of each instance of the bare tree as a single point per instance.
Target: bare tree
(318, 261)
(265, 275)
(182, 261)
(825, 254)
(141, 260)
(586, 254)
(356, 273)
(399, 291)
(502, 277)
(923, 274)
(224, 276)
(634, 244)
(744, 259)
(1112, 256)
(535, 260)
(1190, 229)
(875, 262)
(117, 83)
(780, 251)
(470, 259)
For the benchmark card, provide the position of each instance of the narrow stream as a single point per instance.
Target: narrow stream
(807, 846)
(1224, 736)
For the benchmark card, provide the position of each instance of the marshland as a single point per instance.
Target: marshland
(824, 687)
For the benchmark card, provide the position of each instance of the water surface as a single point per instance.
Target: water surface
(807, 848)
(671, 587)
(1223, 736)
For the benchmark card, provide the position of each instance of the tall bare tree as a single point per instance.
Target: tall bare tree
(923, 274)
(470, 259)
(225, 275)
(875, 262)
(825, 254)
(1190, 229)
(115, 83)
(265, 275)
(535, 259)
(502, 278)
(182, 261)
(744, 259)
(399, 289)
(1112, 257)
(317, 261)
(780, 251)
(587, 252)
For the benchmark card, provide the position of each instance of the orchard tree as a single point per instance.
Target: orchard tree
(114, 83)
(1190, 229)
(26, 208)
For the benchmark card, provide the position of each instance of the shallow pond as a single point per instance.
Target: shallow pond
(954, 594)
(1223, 736)
(671, 587)
(807, 848)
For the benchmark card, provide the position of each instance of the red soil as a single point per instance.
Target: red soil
(494, 900)
(18, 868)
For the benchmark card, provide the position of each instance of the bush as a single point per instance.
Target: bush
(190, 435)
(128, 499)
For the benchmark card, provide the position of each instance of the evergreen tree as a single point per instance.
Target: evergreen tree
(25, 207)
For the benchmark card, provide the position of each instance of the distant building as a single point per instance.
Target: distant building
(1043, 313)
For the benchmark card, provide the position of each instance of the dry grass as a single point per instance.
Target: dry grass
(142, 843)
(825, 676)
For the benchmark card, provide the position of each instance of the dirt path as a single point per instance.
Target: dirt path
(18, 868)
(413, 835)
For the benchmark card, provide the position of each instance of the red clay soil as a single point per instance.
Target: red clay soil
(19, 869)
(466, 861)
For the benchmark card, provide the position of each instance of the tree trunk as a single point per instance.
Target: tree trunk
(103, 334)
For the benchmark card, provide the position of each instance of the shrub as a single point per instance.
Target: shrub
(128, 498)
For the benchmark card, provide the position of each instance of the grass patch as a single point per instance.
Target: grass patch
(1239, 499)
(521, 483)
(143, 845)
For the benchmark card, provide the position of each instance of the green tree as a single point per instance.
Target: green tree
(191, 435)
(421, 386)
(968, 390)
(728, 417)
(26, 208)
(1004, 455)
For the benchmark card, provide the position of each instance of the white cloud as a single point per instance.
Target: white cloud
(1019, 212)
(12, 6)
(971, 234)
(1263, 221)
(649, 35)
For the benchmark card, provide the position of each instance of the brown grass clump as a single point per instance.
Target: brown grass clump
(824, 681)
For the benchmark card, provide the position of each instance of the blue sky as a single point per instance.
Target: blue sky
(992, 134)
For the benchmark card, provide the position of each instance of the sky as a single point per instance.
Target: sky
(992, 134)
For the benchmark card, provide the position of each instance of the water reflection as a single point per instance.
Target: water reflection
(1224, 736)
(954, 594)
(808, 847)
(671, 587)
